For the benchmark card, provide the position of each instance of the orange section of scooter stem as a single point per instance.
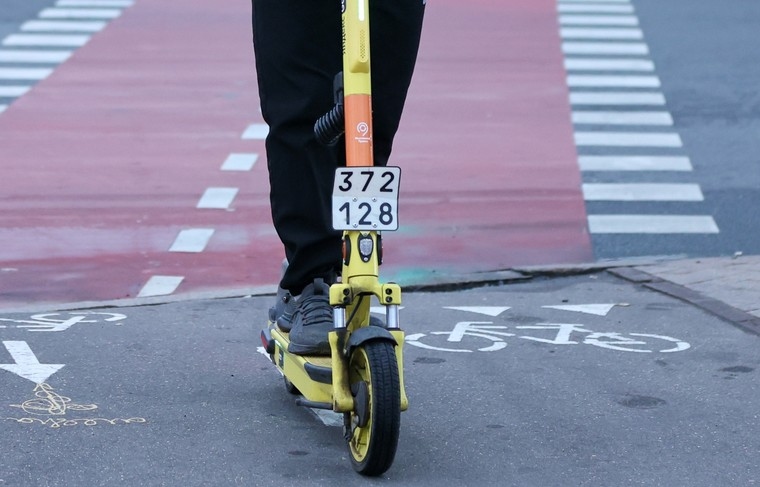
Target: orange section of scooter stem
(358, 113)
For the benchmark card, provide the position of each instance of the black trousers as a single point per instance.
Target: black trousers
(297, 45)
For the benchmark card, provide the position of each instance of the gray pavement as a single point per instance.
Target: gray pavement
(728, 287)
(734, 281)
(616, 375)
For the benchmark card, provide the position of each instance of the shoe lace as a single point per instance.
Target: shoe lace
(315, 309)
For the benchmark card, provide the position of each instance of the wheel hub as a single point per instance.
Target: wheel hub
(360, 391)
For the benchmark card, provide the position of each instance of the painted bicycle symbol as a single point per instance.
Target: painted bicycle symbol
(473, 333)
(63, 321)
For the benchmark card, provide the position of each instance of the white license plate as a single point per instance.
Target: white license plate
(366, 198)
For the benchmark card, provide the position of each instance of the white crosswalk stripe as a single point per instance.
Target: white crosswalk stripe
(616, 98)
(601, 33)
(606, 48)
(642, 192)
(634, 163)
(622, 118)
(79, 13)
(48, 40)
(51, 39)
(613, 87)
(33, 56)
(651, 224)
(594, 81)
(63, 26)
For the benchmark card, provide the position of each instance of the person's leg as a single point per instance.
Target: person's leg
(395, 27)
(298, 52)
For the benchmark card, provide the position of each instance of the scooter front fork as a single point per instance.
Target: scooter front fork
(343, 400)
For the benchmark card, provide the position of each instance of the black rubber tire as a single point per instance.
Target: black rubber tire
(290, 387)
(372, 447)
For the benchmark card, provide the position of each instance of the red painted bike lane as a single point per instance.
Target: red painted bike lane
(104, 162)
(490, 178)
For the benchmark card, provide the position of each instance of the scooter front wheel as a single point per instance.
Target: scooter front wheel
(374, 423)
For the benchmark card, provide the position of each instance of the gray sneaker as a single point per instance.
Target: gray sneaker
(283, 309)
(311, 321)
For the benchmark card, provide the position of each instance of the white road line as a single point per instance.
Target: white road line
(240, 162)
(575, 80)
(627, 139)
(625, 20)
(217, 198)
(606, 48)
(160, 286)
(329, 418)
(2, 108)
(79, 13)
(256, 131)
(46, 40)
(634, 163)
(586, 64)
(95, 3)
(617, 98)
(63, 26)
(24, 73)
(642, 192)
(655, 224)
(192, 240)
(623, 118)
(13, 91)
(600, 9)
(31, 56)
(601, 33)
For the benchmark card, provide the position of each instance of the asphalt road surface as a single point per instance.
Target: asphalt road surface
(585, 380)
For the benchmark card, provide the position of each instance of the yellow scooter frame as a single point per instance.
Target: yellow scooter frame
(335, 382)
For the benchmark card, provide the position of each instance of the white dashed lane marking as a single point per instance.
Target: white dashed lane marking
(256, 131)
(160, 286)
(192, 240)
(217, 198)
(239, 162)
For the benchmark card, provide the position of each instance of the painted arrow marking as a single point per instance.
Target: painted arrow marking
(591, 309)
(483, 310)
(26, 364)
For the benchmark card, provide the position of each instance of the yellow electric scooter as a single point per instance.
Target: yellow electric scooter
(363, 378)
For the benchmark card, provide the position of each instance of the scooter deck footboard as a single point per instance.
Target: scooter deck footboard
(311, 375)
